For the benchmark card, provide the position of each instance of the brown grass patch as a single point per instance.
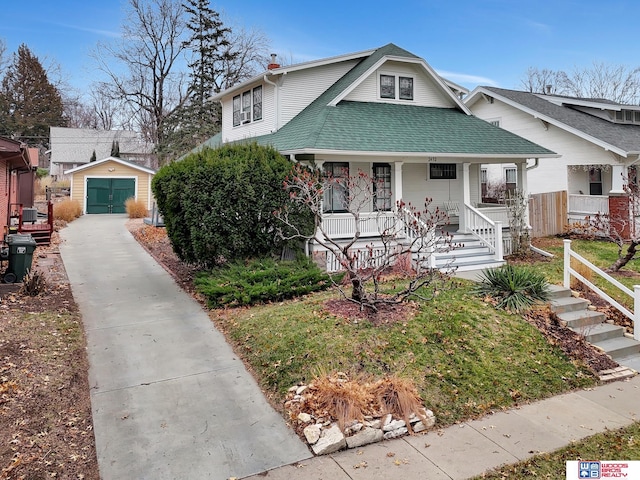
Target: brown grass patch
(336, 397)
(136, 208)
(67, 210)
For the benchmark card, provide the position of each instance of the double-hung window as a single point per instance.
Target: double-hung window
(510, 179)
(382, 187)
(247, 106)
(595, 181)
(336, 191)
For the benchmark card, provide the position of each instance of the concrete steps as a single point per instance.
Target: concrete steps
(612, 339)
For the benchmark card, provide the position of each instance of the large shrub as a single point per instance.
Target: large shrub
(218, 204)
(261, 280)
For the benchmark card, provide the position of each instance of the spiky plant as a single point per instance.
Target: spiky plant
(514, 288)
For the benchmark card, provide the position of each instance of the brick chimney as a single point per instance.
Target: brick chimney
(273, 63)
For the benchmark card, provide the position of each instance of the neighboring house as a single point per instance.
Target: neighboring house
(104, 186)
(385, 112)
(598, 140)
(16, 180)
(73, 147)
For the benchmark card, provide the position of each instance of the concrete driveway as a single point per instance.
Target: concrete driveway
(170, 399)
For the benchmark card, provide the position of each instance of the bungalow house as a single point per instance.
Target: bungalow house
(598, 140)
(74, 147)
(386, 112)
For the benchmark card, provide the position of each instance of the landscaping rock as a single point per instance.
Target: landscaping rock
(312, 433)
(399, 432)
(304, 417)
(394, 425)
(364, 437)
(331, 440)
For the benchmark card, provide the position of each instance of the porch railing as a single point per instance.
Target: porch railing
(496, 214)
(485, 230)
(343, 225)
(588, 204)
(634, 294)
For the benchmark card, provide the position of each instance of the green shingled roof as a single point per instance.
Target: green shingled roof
(385, 127)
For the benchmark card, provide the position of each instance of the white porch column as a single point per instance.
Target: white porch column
(618, 177)
(397, 184)
(319, 164)
(466, 197)
(523, 186)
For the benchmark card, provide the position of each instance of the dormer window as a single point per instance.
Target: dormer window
(388, 87)
(627, 116)
(247, 107)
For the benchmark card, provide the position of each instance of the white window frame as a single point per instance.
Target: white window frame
(396, 86)
(247, 108)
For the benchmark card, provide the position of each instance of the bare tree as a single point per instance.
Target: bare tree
(144, 69)
(617, 83)
(249, 56)
(408, 237)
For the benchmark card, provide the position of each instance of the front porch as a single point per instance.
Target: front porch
(479, 236)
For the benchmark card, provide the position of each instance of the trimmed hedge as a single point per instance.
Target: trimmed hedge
(259, 281)
(218, 204)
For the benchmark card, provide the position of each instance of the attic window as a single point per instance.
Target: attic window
(388, 87)
(627, 116)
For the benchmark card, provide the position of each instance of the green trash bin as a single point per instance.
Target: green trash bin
(21, 249)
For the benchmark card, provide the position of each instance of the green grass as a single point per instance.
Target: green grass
(623, 444)
(602, 255)
(465, 357)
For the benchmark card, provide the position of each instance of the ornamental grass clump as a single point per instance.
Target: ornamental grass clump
(513, 288)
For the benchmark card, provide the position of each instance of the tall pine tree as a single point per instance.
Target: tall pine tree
(29, 102)
(197, 120)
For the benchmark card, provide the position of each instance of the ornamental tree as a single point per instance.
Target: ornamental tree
(406, 239)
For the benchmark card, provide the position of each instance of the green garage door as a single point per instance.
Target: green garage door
(107, 195)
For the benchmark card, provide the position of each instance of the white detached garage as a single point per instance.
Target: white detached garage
(104, 186)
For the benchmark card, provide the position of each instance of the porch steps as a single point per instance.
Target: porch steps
(469, 254)
(612, 339)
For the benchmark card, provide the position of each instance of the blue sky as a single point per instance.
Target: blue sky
(471, 42)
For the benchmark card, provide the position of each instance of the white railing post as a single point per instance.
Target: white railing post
(499, 246)
(636, 312)
(567, 263)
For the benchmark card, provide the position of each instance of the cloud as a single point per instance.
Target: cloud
(95, 31)
(467, 79)
(541, 27)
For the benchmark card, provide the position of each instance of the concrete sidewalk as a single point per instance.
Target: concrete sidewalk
(170, 400)
(471, 448)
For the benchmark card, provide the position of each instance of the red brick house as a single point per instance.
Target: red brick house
(16, 179)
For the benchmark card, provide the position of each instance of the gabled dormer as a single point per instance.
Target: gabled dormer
(267, 102)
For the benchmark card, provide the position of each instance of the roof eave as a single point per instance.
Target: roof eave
(418, 154)
(538, 116)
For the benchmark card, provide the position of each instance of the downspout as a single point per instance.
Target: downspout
(277, 101)
(535, 165)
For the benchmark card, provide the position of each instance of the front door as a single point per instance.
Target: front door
(107, 195)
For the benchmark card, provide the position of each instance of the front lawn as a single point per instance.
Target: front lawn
(622, 444)
(465, 357)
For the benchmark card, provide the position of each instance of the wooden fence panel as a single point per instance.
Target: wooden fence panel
(548, 213)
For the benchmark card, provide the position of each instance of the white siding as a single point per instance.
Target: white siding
(425, 91)
(551, 174)
(416, 187)
(302, 87)
(252, 129)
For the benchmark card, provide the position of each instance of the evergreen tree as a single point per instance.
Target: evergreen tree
(115, 149)
(29, 102)
(93, 157)
(197, 120)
